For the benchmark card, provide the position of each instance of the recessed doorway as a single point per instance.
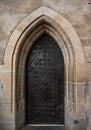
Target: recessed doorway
(45, 83)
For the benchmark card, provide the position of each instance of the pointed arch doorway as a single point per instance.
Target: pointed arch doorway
(15, 58)
(45, 83)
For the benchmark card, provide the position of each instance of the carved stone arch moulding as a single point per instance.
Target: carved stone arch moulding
(32, 26)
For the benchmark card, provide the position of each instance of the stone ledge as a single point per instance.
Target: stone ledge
(44, 128)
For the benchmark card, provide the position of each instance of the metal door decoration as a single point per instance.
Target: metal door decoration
(45, 83)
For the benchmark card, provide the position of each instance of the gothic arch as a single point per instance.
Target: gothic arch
(32, 26)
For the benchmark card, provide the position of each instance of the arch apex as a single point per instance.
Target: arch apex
(56, 18)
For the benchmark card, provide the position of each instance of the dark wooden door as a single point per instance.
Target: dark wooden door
(45, 83)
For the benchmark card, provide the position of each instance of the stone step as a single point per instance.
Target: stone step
(44, 128)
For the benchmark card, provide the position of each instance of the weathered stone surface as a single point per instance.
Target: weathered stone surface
(69, 121)
(19, 6)
(77, 92)
(2, 50)
(26, 6)
(80, 69)
(68, 6)
(81, 23)
(81, 125)
(88, 101)
(78, 76)
(6, 116)
(8, 23)
(86, 43)
(79, 113)
(88, 104)
(87, 72)
(7, 126)
(81, 93)
(87, 50)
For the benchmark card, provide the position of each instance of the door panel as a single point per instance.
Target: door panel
(45, 83)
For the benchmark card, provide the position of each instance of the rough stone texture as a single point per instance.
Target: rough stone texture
(81, 23)
(19, 6)
(64, 6)
(88, 104)
(11, 13)
(86, 43)
(3, 43)
(78, 13)
(26, 6)
(81, 125)
(8, 23)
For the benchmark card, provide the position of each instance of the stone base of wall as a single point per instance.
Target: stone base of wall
(7, 126)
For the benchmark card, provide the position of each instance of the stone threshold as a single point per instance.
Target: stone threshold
(44, 127)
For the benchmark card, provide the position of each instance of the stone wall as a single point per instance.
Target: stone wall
(78, 13)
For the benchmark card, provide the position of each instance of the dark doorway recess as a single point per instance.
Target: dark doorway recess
(45, 83)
